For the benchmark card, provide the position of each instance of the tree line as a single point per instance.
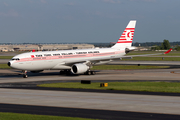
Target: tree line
(165, 45)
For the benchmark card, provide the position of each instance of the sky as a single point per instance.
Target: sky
(87, 21)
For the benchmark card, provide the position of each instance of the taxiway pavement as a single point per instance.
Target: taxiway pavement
(92, 100)
(4, 61)
(11, 75)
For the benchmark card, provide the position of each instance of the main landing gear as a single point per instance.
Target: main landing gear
(24, 73)
(68, 72)
(65, 72)
(89, 72)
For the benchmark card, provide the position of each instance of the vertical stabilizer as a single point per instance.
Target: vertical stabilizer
(126, 38)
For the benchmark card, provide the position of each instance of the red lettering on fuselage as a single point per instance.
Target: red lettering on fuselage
(48, 56)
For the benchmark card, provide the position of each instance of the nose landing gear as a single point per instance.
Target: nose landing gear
(24, 73)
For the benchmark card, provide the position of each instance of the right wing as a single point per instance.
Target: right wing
(147, 54)
(92, 62)
(152, 63)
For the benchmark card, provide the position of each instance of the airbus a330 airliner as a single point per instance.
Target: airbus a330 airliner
(75, 61)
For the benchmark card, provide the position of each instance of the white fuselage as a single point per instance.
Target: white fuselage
(64, 59)
(77, 61)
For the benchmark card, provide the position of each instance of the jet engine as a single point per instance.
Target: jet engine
(79, 68)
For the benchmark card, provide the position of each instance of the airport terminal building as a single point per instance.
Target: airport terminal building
(43, 47)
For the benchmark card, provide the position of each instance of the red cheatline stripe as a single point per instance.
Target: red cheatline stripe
(124, 42)
(70, 56)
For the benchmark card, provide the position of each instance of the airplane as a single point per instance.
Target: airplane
(78, 61)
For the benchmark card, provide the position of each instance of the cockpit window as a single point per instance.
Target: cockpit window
(15, 59)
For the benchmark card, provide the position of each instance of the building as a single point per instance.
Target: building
(44, 47)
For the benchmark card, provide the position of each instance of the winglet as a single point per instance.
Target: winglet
(168, 51)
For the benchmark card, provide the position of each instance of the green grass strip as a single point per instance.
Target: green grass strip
(172, 53)
(4, 66)
(169, 87)
(153, 59)
(18, 116)
(125, 67)
(6, 57)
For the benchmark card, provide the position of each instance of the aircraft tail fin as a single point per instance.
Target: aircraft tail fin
(125, 41)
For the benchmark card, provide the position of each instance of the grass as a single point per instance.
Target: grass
(4, 66)
(18, 116)
(6, 57)
(153, 59)
(125, 67)
(172, 53)
(170, 87)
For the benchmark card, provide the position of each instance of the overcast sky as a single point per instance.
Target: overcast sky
(87, 21)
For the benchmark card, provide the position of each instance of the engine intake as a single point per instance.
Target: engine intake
(79, 68)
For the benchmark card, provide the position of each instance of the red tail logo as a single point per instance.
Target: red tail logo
(127, 36)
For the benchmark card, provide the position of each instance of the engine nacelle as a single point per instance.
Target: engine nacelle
(79, 68)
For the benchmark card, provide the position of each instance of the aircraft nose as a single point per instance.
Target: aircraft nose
(9, 64)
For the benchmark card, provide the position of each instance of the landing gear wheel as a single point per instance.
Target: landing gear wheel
(93, 73)
(88, 72)
(25, 76)
(65, 72)
(62, 72)
(24, 73)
